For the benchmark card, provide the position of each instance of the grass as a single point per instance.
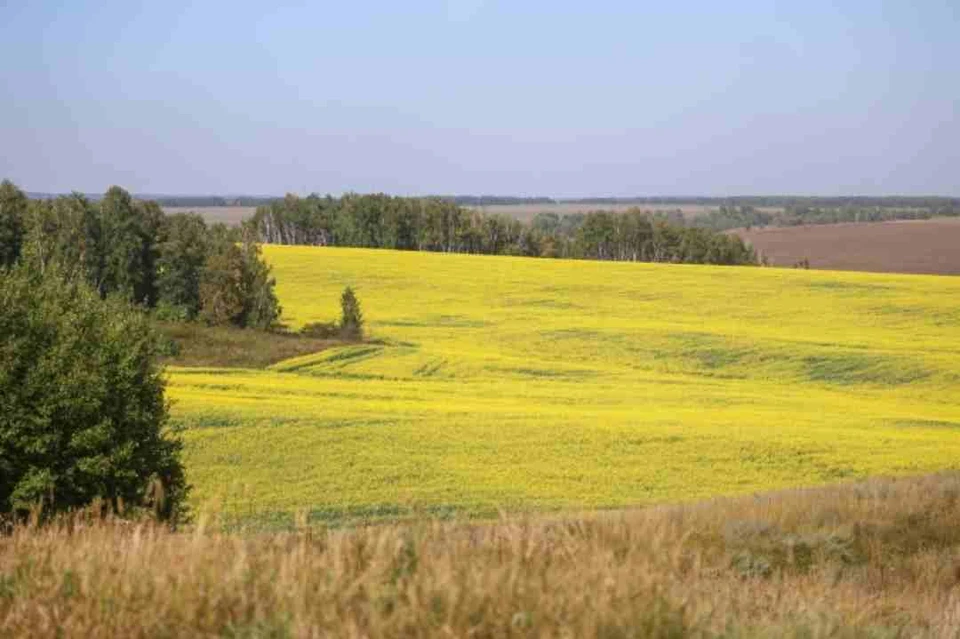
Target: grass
(872, 559)
(194, 344)
(635, 384)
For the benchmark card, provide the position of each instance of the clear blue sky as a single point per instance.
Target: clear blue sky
(526, 97)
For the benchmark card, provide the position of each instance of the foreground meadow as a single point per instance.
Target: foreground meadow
(520, 384)
(877, 559)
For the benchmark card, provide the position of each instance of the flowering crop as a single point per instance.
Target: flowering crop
(498, 382)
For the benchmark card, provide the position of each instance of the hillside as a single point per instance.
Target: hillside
(497, 382)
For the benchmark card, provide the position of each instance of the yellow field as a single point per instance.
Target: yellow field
(513, 383)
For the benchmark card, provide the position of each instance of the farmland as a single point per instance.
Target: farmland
(908, 246)
(229, 215)
(521, 384)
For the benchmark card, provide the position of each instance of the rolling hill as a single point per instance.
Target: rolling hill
(521, 384)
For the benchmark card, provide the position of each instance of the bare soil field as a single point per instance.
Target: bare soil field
(907, 246)
(229, 215)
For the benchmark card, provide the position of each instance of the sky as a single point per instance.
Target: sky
(522, 97)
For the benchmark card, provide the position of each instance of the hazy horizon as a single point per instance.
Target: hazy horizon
(682, 198)
(473, 97)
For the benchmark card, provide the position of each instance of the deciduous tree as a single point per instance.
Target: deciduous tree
(82, 408)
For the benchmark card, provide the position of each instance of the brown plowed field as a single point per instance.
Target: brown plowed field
(229, 215)
(909, 246)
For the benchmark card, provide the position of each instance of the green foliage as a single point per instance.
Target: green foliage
(112, 244)
(432, 224)
(129, 248)
(129, 240)
(13, 211)
(184, 246)
(221, 283)
(82, 408)
(67, 232)
(261, 307)
(351, 317)
(635, 234)
(235, 286)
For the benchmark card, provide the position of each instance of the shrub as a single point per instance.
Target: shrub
(323, 330)
(351, 317)
(167, 312)
(82, 408)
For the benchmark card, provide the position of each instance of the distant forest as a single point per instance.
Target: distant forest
(437, 224)
(652, 229)
(786, 201)
(936, 205)
(172, 201)
(733, 217)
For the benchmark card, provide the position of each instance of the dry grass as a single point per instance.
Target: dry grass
(194, 344)
(878, 558)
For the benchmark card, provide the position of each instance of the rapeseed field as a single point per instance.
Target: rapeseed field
(507, 383)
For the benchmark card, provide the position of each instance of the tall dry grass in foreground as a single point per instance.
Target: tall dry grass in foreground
(878, 558)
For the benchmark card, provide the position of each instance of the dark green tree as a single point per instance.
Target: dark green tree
(261, 309)
(129, 239)
(82, 408)
(351, 317)
(184, 246)
(221, 288)
(236, 286)
(66, 231)
(13, 213)
(598, 234)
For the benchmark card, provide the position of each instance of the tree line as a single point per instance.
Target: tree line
(733, 217)
(176, 265)
(940, 205)
(177, 201)
(437, 224)
(935, 202)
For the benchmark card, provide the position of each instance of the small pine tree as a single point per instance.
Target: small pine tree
(351, 318)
